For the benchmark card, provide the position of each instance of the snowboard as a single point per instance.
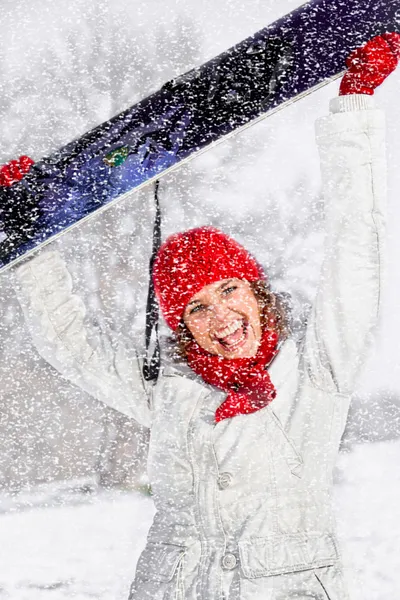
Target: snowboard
(280, 64)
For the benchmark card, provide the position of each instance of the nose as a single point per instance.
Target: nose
(220, 311)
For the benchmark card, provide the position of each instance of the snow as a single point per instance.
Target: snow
(63, 69)
(88, 547)
(82, 551)
(368, 512)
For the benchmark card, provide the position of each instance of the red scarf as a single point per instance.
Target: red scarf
(246, 380)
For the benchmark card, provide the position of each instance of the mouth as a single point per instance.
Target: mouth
(233, 336)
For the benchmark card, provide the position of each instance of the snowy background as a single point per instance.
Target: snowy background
(72, 520)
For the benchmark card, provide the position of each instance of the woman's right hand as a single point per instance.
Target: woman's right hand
(15, 170)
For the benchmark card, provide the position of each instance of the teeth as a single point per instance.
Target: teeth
(234, 326)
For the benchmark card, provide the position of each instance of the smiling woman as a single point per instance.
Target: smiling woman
(271, 311)
(203, 280)
(224, 318)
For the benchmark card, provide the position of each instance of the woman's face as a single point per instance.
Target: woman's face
(224, 318)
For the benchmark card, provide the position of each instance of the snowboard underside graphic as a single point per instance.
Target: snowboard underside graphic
(277, 66)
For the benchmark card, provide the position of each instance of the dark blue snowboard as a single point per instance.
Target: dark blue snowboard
(277, 65)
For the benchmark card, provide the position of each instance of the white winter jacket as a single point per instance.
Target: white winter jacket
(244, 505)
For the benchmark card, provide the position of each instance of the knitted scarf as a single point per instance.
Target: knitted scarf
(246, 380)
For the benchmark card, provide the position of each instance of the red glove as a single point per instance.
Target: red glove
(15, 170)
(369, 65)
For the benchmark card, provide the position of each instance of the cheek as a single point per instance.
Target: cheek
(255, 320)
(247, 305)
(200, 333)
(198, 328)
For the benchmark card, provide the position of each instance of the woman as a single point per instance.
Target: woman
(245, 430)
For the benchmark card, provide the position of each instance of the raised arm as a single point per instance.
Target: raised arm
(351, 146)
(352, 152)
(110, 371)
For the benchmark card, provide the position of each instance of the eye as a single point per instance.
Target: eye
(196, 309)
(227, 291)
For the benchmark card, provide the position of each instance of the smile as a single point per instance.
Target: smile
(233, 335)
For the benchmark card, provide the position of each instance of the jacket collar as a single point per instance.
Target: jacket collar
(284, 362)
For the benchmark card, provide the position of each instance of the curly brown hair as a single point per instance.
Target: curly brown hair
(274, 312)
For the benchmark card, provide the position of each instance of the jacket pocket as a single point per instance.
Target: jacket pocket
(287, 553)
(158, 573)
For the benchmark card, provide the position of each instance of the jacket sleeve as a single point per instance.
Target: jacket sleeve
(351, 146)
(110, 371)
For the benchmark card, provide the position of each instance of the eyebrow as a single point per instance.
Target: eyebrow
(193, 302)
(219, 288)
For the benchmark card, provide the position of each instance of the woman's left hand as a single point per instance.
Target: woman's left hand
(369, 65)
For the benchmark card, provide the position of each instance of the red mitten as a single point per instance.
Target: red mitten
(369, 65)
(15, 170)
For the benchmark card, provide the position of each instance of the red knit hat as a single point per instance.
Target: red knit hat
(188, 261)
